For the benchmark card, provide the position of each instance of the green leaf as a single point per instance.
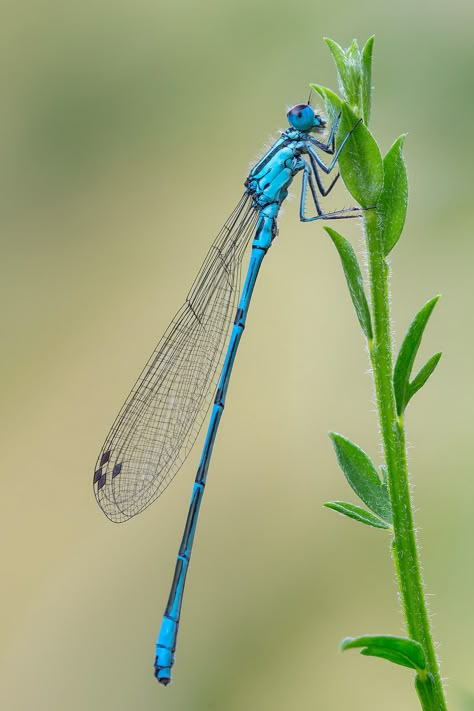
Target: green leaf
(389, 655)
(398, 650)
(340, 60)
(354, 280)
(393, 201)
(366, 89)
(406, 358)
(348, 71)
(354, 75)
(362, 476)
(352, 52)
(360, 161)
(423, 376)
(357, 513)
(355, 72)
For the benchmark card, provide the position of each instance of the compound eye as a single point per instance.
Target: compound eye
(301, 117)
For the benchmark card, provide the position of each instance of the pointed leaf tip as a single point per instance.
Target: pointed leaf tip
(357, 513)
(354, 280)
(420, 379)
(404, 390)
(366, 89)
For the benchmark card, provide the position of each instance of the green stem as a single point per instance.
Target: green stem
(428, 693)
(404, 547)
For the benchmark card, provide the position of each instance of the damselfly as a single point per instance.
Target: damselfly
(161, 418)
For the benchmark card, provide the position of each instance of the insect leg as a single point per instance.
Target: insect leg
(336, 215)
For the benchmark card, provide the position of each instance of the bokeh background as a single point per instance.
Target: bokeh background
(127, 129)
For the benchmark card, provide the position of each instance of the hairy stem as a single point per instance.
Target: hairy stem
(405, 552)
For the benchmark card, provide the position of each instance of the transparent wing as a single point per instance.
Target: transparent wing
(161, 418)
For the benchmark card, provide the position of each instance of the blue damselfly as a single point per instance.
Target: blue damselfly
(161, 418)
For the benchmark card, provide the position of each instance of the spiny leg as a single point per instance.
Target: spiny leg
(323, 191)
(336, 215)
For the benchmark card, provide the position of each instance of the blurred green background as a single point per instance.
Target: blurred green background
(126, 132)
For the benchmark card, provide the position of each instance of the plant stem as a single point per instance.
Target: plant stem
(404, 548)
